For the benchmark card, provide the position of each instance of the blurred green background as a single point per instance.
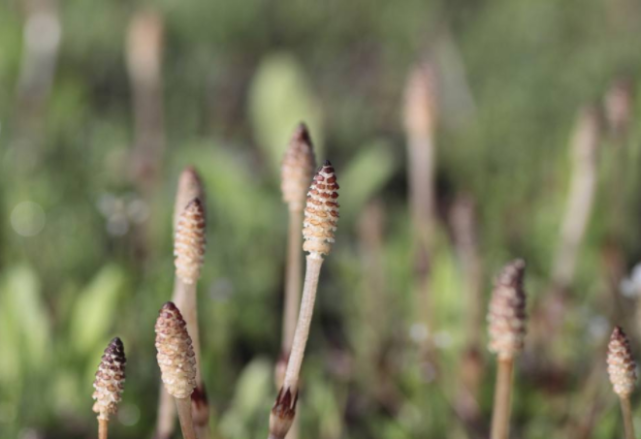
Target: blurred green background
(88, 182)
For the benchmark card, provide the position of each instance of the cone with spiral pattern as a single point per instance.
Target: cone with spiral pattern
(297, 168)
(321, 212)
(506, 316)
(110, 379)
(621, 365)
(175, 353)
(189, 242)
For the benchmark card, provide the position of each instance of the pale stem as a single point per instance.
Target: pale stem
(314, 263)
(293, 272)
(183, 406)
(166, 421)
(501, 413)
(103, 428)
(185, 300)
(627, 417)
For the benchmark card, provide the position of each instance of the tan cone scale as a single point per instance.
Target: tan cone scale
(506, 316)
(175, 356)
(189, 242)
(321, 212)
(110, 379)
(621, 365)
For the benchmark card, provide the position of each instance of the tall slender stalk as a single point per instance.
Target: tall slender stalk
(420, 120)
(144, 65)
(103, 429)
(183, 406)
(506, 318)
(312, 273)
(463, 220)
(321, 216)
(502, 404)
(585, 147)
(626, 410)
(293, 278)
(296, 173)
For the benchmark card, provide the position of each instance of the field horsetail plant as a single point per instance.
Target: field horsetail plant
(623, 375)
(109, 382)
(177, 362)
(319, 225)
(297, 170)
(189, 252)
(506, 320)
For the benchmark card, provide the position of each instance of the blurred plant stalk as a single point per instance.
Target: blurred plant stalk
(584, 159)
(189, 249)
(420, 119)
(144, 64)
(297, 170)
(506, 330)
(42, 34)
(463, 219)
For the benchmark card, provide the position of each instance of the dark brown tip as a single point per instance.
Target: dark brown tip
(117, 349)
(617, 333)
(169, 306)
(512, 274)
(195, 203)
(301, 134)
(327, 163)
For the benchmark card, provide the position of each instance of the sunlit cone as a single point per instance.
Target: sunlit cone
(189, 242)
(297, 168)
(321, 212)
(621, 365)
(506, 316)
(282, 414)
(110, 379)
(175, 356)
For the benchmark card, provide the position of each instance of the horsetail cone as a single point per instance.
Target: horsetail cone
(189, 242)
(175, 356)
(190, 186)
(321, 212)
(297, 168)
(621, 365)
(506, 316)
(110, 379)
